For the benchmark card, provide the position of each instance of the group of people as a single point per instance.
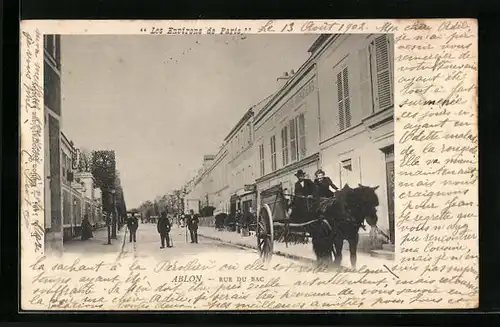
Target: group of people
(309, 195)
(163, 227)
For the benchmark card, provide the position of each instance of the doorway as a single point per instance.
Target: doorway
(389, 172)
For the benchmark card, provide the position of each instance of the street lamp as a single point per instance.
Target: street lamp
(113, 231)
(74, 218)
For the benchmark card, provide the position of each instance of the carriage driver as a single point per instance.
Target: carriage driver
(303, 190)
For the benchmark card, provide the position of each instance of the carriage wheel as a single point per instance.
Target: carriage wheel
(264, 233)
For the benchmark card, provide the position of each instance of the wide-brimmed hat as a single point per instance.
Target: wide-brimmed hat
(300, 172)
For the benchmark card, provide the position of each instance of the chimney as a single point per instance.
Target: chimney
(207, 160)
(282, 80)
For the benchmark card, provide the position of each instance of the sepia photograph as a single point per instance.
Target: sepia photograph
(249, 165)
(171, 146)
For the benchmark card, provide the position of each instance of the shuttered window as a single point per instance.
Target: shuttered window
(284, 145)
(380, 57)
(261, 158)
(293, 140)
(344, 102)
(302, 136)
(273, 153)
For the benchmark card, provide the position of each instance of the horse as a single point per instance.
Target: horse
(339, 219)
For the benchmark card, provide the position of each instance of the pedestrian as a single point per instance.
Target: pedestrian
(192, 224)
(86, 228)
(133, 224)
(163, 228)
(238, 221)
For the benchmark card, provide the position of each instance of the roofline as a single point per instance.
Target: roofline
(248, 114)
(318, 42)
(317, 48)
(65, 138)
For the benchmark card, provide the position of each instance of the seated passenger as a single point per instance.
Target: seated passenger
(324, 185)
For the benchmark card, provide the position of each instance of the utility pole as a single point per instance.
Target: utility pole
(108, 227)
(113, 210)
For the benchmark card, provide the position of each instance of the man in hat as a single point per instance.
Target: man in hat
(163, 228)
(303, 191)
(192, 224)
(133, 224)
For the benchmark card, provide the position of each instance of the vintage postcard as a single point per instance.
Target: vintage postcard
(249, 165)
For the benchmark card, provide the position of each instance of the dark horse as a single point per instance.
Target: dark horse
(340, 219)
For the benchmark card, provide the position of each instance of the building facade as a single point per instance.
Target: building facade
(239, 142)
(69, 193)
(241, 172)
(219, 182)
(355, 76)
(52, 138)
(79, 196)
(287, 132)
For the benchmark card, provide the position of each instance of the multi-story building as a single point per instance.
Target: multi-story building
(286, 131)
(201, 186)
(219, 182)
(241, 162)
(52, 140)
(69, 193)
(355, 76)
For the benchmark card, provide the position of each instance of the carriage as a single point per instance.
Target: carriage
(338, 219)
(274, 224)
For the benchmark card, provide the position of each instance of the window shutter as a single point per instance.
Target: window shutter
(365, 84)
(293, 141)
(381, 72)
(284, 145)
(340, 98)
(302, 135)
(347, 101)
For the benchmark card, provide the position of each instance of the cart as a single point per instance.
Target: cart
(273, 220)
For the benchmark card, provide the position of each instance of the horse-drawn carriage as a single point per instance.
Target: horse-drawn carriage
(326, 222)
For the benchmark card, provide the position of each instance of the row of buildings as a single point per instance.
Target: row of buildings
(70, 192)
(335, 113)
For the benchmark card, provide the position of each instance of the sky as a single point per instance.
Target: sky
(162, 102)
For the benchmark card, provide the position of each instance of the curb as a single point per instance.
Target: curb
(254, 247)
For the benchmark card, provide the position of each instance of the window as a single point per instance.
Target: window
(284, 145)
(273, 153)
(380, 57)
(293, 140)
(302, 136)
(297, 139)
(345, 171)
(261, 158)
(249, 128)
(344, 103)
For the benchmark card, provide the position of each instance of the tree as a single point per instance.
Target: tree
(104, 168)
(85, 160)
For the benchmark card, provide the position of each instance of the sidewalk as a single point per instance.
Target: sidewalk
(97, 244)
(293, 251)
